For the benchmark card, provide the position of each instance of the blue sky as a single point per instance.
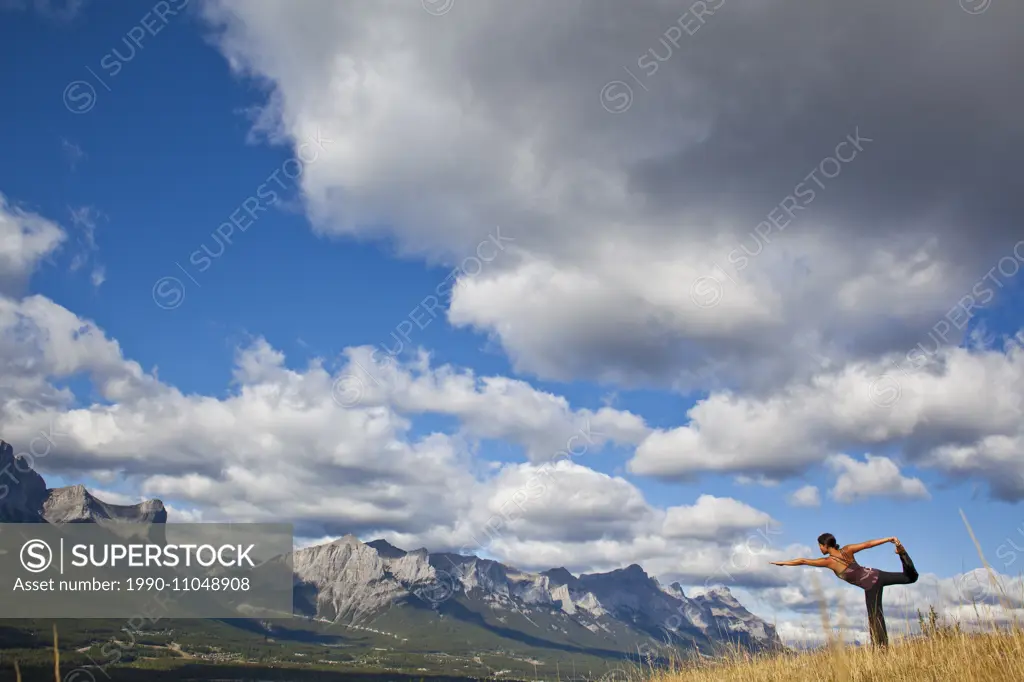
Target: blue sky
(169, 148)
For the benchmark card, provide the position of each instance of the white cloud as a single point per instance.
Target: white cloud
(25, 240)
(589, 505)
(176, 515)
(615, 217)
(807, 496)
(963, 414)
(488, 407)
(876, 476)
(712, 518)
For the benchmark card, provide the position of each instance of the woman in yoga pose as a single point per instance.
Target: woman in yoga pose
(871, 580)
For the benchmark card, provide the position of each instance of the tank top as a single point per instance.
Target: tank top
(855, 574)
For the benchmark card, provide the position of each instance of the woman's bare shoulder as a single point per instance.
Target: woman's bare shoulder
(839, 564)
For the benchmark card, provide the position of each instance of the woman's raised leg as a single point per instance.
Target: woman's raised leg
(908, 576)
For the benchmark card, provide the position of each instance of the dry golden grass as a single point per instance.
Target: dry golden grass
(960, 657)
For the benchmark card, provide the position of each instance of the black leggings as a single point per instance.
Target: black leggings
(873, 597)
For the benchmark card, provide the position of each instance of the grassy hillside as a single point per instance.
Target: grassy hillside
(940, 652)
(990, 657)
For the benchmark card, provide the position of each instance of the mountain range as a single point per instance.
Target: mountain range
(351, 582)
(408, 597)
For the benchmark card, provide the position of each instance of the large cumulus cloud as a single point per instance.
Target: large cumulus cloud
(490, 114)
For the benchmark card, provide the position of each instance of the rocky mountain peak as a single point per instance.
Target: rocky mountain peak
(75, 504)
(560, 576)
(24, 497)
(22, 490)
(350, 540)
(386, 550)
(717, 592)
(675, 590)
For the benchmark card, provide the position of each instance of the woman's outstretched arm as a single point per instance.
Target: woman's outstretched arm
(853, 549)
(801, 562)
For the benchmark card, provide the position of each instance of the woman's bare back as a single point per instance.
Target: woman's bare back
(848, 570)
(841, 561)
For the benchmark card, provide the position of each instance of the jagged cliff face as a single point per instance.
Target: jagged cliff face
(350, 582)
(721, 608)
(24, 498)
(22, 490)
